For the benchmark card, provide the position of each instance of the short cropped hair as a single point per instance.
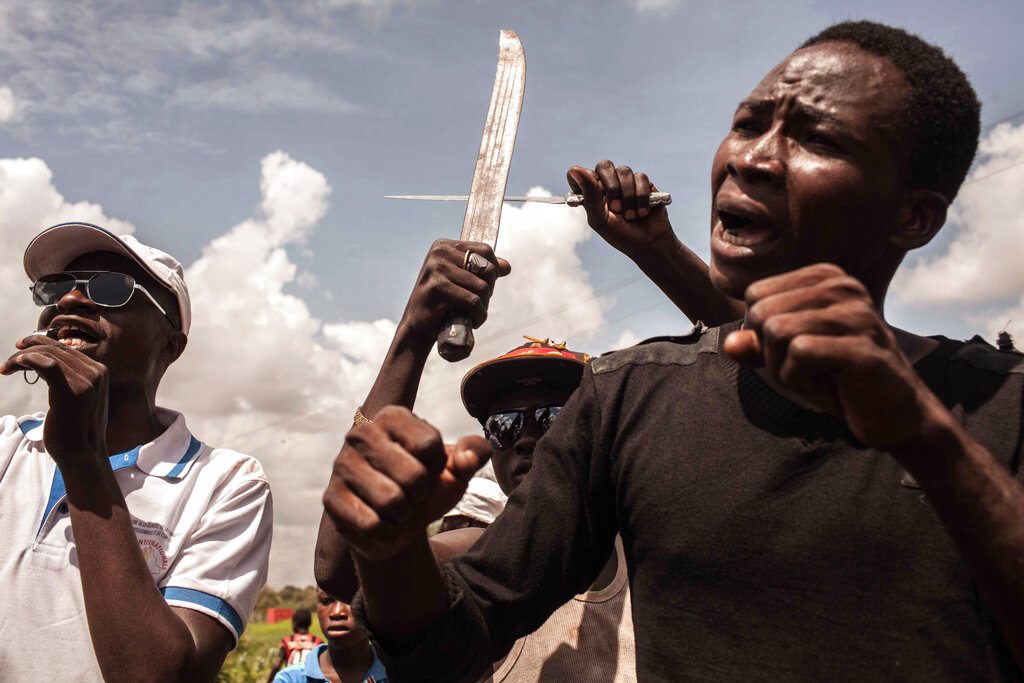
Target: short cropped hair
(302, 618)
(943, 116)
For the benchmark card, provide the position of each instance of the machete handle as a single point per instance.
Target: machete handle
(455, 341)
(655, 199)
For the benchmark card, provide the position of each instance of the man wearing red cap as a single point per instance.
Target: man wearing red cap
(516, 396)
(139, 547)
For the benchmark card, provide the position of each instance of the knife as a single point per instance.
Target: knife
(656, 198)
(483, 210)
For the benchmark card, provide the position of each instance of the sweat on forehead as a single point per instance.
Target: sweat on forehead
(943, 115)
(827, 76)
(830, 67)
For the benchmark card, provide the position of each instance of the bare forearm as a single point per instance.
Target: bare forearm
(122, 602)
(397, 383)
(685, 280)
(333, 568)
(400, 373)
(982, 507)
(404, 594)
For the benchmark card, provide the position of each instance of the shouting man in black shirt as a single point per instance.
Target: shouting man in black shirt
(811, 495)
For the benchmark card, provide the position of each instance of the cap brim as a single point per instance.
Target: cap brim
(504, 375)
(54, 248)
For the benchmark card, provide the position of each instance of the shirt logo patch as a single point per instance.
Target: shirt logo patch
(155, 555)
(144, 528)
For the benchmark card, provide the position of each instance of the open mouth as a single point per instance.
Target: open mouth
(74, 337)
(744, 232)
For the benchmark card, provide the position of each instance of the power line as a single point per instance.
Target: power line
(993, 173)
(572, 304)
(496, 335)
(577, 333)
(1011, 117)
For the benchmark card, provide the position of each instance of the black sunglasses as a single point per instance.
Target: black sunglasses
(504, 429)
(103, 288)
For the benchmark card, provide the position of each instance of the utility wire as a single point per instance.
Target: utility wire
(572, 304)
(1011, 117)
(993, 173)
(577, 333)
(497, 335)
(494, 338)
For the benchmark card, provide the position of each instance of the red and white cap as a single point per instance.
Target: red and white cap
(534, 364)
(54, 248)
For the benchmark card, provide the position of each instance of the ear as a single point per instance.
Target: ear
(174, 346)
(921, 216)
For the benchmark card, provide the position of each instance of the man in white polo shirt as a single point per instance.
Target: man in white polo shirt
(132, 550)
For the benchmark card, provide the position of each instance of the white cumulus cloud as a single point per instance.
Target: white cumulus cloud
(983, 261)
(261, 373)
(979, 273)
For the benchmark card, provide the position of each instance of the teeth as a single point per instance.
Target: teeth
(72, 342)
(732, 238)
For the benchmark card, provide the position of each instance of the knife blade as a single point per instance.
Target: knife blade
(483, 208)
(655, 199)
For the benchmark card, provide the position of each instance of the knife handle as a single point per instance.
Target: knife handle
(455, 341)
(655, 199)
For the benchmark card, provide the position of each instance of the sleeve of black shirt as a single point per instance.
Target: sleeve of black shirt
(550, 543)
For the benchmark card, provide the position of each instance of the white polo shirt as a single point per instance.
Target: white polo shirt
(202, 516)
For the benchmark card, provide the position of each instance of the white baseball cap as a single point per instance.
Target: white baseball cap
(54, 248)
(483, 501)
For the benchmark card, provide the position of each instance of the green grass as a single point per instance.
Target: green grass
(251, 660)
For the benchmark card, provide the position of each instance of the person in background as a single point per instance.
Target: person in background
(483, 501)
(296, 647)
(517, 397)
(346, 657)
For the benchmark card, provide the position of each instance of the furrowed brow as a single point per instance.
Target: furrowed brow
(802, 111)
(757, 106)
(814, 115)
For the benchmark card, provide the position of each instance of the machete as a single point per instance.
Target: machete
(483, 210)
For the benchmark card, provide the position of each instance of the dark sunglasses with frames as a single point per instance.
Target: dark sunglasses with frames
(104, 288)
(503, 429)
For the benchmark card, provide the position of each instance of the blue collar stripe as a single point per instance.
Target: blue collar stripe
(193, 447)
(28, 425)
(57, 490)
(211, 602)
(56, 493)
(126, 459)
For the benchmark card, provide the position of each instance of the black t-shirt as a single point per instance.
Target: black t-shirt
(763, 542)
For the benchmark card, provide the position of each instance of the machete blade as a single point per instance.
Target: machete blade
(483, 209)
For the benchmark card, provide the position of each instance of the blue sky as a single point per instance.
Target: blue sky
(256, 141)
